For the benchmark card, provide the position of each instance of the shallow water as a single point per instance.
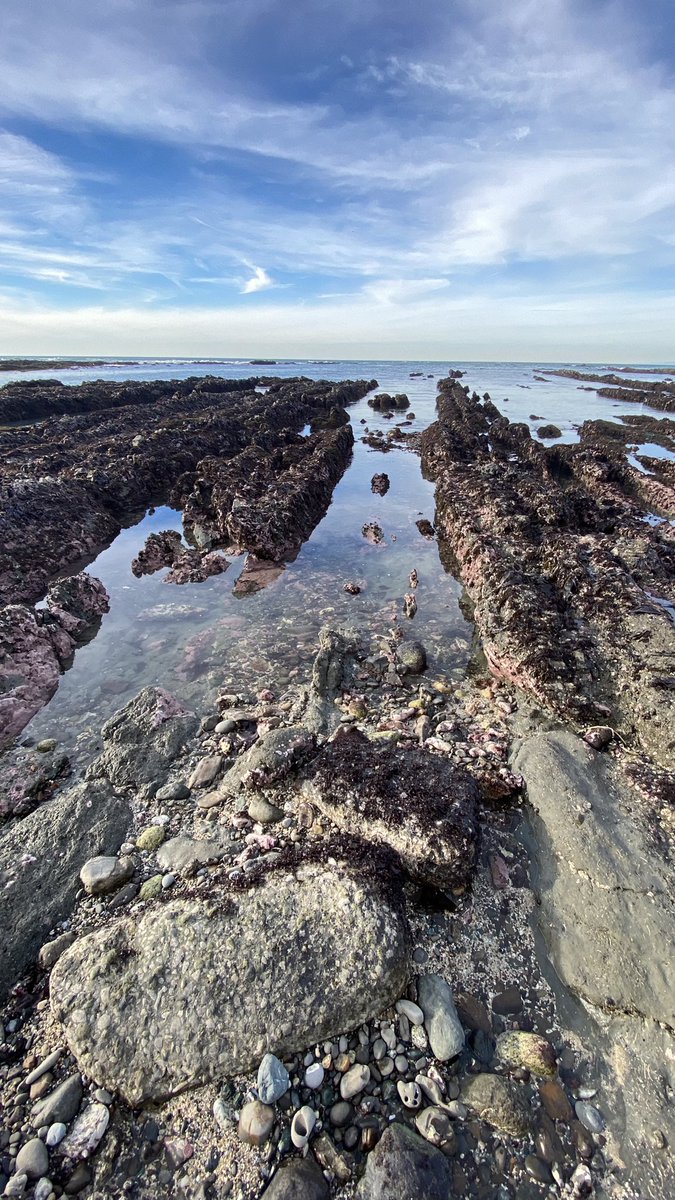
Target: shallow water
(196, 639)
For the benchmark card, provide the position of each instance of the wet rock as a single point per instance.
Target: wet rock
(36, 644)
(262, 811)
(417, 804)
(555, 1101)
(380, 484)
(332, 673)
(143, 738)
(160, 550)
(39, 885)
(402, 1166)
(528, 1050)
(605, 910)
(472, 1012)
(331, 1158)
(412, 656)
(507, 1002)
(498, 1103)
(180, 972)
(28, 777)
(446, 1036)
(352, 589)
(549, 431)
(301, 1179)
(591, 1118)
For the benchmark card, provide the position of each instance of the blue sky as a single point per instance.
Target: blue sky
(449, 178)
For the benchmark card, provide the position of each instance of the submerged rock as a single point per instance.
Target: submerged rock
(417, 804)
(200, 989)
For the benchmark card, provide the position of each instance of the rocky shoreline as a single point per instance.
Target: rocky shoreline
(292, 946)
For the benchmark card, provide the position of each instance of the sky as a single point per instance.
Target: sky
(462, 179)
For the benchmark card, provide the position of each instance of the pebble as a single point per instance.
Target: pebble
(87, 1132)
(530, 1050)
(56, 1133)
(379, 1049)
(205, 772)
(401, 1064)
(42, 1068)
(555, 1101)
(168, 881)
(435, 1126)
(591, 1118)
(61, 1104)
(410, 1010)
(441, 1021)
(355, 1080)
(151, 888)
(410, 1093)
(105, 873)
(273, 1079)
(51, 952)
(43, 1189)
(16, 1185)
(341, 1113)
(33, 1159)
(314, 1076)
(256, 1121)
(537, 1169)
(151, 838)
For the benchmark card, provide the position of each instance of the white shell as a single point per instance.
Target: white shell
(302, 1125)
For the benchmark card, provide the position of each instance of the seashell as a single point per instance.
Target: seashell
(302, 1125)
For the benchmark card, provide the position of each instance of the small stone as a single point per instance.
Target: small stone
(56, 1133)
(151, 889)
(430, 1088)
(410, 1093)
(441, 1021)
(42, 1067)
(33, 1159)
(87, 1132)
(507, 1002)
(379, 1049)
(530, 1050)
(16, 1186)
(473, 1013)
(300, 1179)
(262, 811)
(401, 1064)
(256, 1122)
(410, 1010)
(354, 1081)
(330, 1157)
(205, 772)
(497, 1102)
(435, 1126)
(151, 838)
(173, 791)
(314, 1076)
(51, 952)
(273, 1079)
(46, 745)
(60, 1105)
(341, 1114)
(168, 882)
(555, 1101)
(79, 1180)
(589, 1116)
(43, 1189)
(386, 1066)
(537, 1169)
(105, 873)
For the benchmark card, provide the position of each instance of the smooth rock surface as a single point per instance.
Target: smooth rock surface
(443, 1026)
(405, 1167)
(273, 1079)
(60, 1105)
(183, 855)
(39, 885)
(33, 1159)
(605, 912)
(150, 1008)
(105, 873)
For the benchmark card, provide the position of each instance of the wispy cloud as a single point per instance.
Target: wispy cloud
(258, 282)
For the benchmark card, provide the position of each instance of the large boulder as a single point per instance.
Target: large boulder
(606, 911)
(40, 861)
(419, 805)
(404, 1167)
(142, 739)
(201, 989)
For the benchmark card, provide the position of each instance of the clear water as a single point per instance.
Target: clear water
(196, 639)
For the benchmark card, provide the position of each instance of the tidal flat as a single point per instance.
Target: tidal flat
(337, 715)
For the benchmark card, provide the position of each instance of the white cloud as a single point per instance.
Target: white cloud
(259, 281)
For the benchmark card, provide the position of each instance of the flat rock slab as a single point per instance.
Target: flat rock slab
(419, 805)
(605, 910)
(142, 739)
(199, 990)
(40, 861)
(403, 1167)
